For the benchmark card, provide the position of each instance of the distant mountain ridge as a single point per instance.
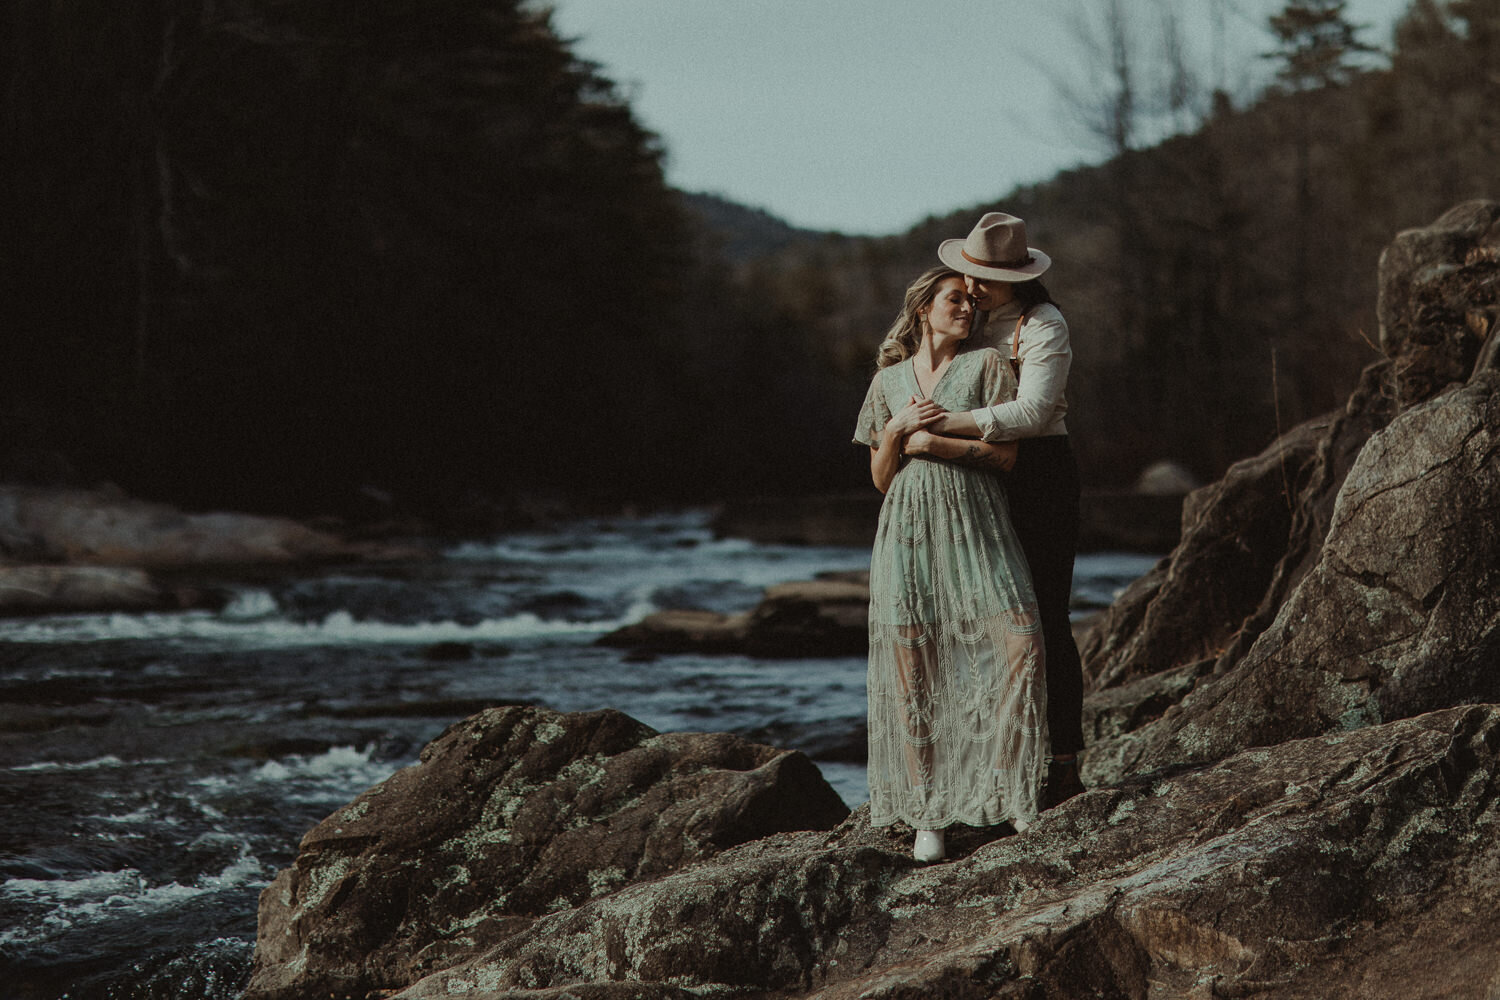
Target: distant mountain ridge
(743, 233)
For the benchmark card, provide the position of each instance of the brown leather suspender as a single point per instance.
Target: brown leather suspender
(1015, 348)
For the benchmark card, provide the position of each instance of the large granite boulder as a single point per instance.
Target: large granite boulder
(1234, 533)
(1400, 614)
(1439, 299)
(1360, 865)
(1245, 548)
(511, 815)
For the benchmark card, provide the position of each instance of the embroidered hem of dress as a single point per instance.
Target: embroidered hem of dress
(941, 823)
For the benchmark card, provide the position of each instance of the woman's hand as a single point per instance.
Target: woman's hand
(885, 458)
(916, 415)
(920, 442)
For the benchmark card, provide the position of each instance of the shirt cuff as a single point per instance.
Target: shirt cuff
(989, 427)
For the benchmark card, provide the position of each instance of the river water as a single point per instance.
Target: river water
(157, 770)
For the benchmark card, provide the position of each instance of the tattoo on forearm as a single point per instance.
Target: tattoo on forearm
(982, 457)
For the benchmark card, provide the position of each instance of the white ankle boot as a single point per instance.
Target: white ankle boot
(929, 846)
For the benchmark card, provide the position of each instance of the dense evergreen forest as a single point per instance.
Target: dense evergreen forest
(292, 256)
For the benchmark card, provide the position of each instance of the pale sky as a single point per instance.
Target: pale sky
(867, 116)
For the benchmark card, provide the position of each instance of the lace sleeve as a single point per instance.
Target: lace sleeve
(873, 415)
(999, 384)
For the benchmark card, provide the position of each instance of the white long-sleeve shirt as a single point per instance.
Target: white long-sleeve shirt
(1046, 356)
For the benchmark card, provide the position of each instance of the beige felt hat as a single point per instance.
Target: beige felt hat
(996, 249)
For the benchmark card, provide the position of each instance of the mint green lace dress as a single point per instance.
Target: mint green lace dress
(957, 689)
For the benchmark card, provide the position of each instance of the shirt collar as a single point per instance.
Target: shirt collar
(1008, 313)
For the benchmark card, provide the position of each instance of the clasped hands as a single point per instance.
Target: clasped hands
(923, 428)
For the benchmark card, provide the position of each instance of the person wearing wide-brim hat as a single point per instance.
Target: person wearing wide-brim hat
(1001, 273)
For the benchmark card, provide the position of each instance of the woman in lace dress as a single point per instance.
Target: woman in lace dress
(957, 685)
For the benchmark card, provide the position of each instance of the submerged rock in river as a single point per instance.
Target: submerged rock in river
(803, 618)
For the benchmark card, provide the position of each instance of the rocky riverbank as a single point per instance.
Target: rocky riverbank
(1294, 770)
(99, 550)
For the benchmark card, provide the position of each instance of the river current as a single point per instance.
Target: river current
(157, 770)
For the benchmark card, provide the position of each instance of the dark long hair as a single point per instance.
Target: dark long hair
(1030, 294)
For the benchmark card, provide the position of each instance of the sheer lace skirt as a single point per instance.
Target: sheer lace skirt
(957, 684)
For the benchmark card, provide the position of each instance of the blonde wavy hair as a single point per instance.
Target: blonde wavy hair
(905, 335)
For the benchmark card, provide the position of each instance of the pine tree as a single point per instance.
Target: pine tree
(1315, 44)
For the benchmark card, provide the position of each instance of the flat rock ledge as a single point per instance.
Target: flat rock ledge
(1359, 865)
(803, 618)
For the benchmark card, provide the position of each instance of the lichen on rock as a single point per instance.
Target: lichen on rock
(510, 815)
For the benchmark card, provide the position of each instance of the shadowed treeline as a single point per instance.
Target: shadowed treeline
(266, 254)
(272, 255)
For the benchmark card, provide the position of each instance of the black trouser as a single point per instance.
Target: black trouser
(1043, 495)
